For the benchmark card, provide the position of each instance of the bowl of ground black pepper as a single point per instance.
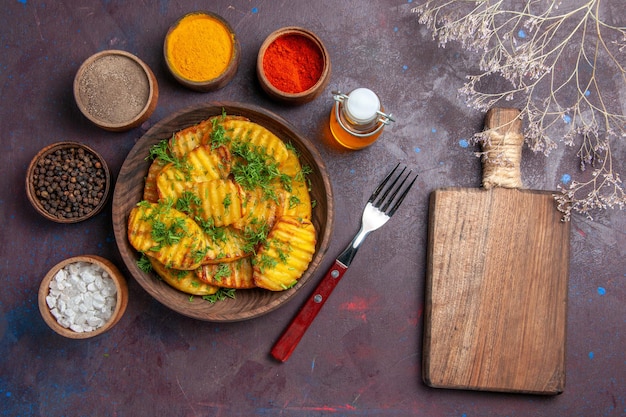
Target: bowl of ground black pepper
(68, 182)
(293, 65)
(115, 90)
(201, 51)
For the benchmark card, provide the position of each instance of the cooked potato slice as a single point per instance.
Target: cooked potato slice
(166, 234)
(256, 135)
(150, 191)
(171, 182)
(237, 274)
(298, 202)
(200, 165)
(286, 254)
(183, 281)
(291, 165)
(225, 244)
(261, 211)
(297, 199)
(220, 202)
(183, 141)
(206, 163)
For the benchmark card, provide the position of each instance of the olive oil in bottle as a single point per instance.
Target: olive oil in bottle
(357, 119)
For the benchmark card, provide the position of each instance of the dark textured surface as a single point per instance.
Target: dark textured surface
(362, 356)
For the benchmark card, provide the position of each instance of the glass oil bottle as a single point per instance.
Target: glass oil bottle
(358, 118)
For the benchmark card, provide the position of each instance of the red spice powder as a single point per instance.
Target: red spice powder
(293, 63)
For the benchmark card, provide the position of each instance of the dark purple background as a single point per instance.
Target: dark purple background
(362, 356)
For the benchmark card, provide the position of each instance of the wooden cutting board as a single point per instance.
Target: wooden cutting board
(496, 284)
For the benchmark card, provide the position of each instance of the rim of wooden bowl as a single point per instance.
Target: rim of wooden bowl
(250, 303)
(225, 77)
(303, 96)
(146, 111)
(30, 186)
(120, 306)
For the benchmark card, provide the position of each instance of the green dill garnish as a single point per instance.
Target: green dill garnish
(161, 150)
(227, 201)
(286, 181)
(255, 235)
(216, 234)
(198, 255)
(220, 295)
(166, 234)
(256, 168)
(301, 175)
(144, 263)
(218, 133)
(286, 287)
(187, 201)
(207, 225)
(223, 270)
(265, 262)
(292, 148)
(293, 201)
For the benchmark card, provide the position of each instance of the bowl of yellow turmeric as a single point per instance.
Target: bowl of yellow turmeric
(201, 51)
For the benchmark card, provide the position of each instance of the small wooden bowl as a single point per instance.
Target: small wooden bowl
(171, 45)
(121, 296)
(299, 97)
(115, 90)
(33, 190)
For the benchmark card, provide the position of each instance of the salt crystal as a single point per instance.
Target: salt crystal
(91, 287)
(95, 322)
(77, 328)
(51, 301)
(89, 277)
(60, 276)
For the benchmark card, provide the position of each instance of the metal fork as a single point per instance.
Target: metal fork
(378, 210)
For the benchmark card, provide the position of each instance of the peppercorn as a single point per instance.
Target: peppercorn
(69, 182)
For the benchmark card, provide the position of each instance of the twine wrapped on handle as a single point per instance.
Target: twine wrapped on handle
(502, 149)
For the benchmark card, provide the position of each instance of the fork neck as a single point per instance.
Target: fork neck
(349, 252)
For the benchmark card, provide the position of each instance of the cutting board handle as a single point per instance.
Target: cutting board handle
(502, 148)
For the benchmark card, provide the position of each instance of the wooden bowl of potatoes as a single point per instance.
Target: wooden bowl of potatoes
(223, 211)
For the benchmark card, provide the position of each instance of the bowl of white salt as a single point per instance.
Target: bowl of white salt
(83, 296)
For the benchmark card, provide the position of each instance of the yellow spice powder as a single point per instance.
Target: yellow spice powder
(200, 47)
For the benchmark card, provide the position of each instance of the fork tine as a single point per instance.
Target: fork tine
(389, 200)
(381, 185)
(393, 189)
(401, 199)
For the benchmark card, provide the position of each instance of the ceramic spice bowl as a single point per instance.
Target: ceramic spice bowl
(293, 65)
(83, 296)
(115, 90)
(201, 51)
(68, 182)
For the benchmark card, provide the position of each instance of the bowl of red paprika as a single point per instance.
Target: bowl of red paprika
(293, 65)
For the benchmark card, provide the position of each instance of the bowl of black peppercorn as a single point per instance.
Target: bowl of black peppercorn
(68, 182)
